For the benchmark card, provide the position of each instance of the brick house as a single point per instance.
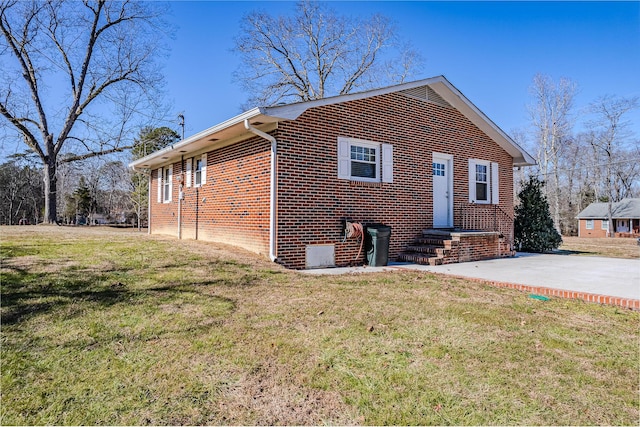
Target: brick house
(593, 220)
(284, 181)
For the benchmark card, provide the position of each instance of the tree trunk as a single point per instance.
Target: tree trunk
(50, 191)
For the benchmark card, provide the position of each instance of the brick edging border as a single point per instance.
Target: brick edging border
(629, 303)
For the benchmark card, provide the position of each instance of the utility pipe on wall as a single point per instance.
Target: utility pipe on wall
(180, 196)
(149, 205)
(272, 190)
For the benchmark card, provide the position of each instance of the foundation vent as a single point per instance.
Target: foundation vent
(425, 93)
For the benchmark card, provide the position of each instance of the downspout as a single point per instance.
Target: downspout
(149, 206)
(272, 190)
(180, 196)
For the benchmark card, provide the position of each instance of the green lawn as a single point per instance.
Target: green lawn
(114, 327)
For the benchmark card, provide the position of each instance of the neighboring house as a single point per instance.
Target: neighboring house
(283, 181)
(593, 220)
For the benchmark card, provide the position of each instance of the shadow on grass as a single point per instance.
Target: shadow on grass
(26, 294)
(11, 251)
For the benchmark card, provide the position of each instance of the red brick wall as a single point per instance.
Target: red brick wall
(467, 247)
(163, 215)
(312, 201)
(597, 230)
(231, 207)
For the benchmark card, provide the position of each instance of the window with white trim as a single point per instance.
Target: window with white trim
(605, 224)
(362, 160)
(167, 183)
(589, 224)
(200, 171)
(484, 182)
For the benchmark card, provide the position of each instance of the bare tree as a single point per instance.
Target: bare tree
(552, 121)
(21, 196)
(67, 66)
(317, 53)
(615, 150)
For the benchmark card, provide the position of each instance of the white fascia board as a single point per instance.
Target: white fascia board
(454, 97)
(172, 150)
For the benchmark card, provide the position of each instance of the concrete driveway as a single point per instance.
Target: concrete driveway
(594, 275)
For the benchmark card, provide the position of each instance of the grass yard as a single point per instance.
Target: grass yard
(104, 327)
(606, 247)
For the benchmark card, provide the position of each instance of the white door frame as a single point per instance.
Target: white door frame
(447, 159)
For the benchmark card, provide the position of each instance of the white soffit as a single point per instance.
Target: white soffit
(224, 131)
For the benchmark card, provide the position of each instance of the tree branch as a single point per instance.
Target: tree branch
(74, 158)
(19, 49)
(29, 138)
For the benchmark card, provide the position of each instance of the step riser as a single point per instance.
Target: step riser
(430, 249)
(420, 259)
(429, 241)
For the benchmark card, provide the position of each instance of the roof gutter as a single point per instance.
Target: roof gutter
(272, 190)
(173, 149)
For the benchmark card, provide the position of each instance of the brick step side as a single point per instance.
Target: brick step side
(428, 249)
(432, 241)
(432, 248)
(419, 258)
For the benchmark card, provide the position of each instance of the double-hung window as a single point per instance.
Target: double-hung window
(165, 184)
(197, 179)
(483, 182)
(589, 224)
(197, 169)
(362, 160)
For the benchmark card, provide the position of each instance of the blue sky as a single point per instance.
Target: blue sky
(488, 50)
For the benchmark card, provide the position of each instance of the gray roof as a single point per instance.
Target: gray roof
(266, 119)
(624, 209)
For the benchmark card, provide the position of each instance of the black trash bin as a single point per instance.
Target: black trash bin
(377, 244)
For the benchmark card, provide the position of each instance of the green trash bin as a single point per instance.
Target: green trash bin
(377, 244)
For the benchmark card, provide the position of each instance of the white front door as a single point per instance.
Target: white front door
(442, 173)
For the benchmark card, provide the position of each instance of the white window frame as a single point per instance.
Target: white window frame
(483, 168)
(604, 224)
(167, 184)
(493, 182)
(383, 164)
(200, 171)
(588, 224)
